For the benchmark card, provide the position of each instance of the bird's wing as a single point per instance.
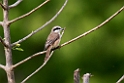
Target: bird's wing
(48, 53)
(51, 39)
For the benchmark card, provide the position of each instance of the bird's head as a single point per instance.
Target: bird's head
(56, 29)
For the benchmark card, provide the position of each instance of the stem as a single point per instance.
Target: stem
(8, 51)
(2, 66)
(15, 4)
(38, 69)
(95, 28)
(2, 41)
(28, 58)
(1, 23)
(122, 78)
(27, 14)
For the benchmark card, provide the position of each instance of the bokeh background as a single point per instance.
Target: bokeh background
(100, 53)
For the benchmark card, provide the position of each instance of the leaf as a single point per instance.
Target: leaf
(17, 45)
(19, 49)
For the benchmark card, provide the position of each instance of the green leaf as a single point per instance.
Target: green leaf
(19, 49)
(18, 45)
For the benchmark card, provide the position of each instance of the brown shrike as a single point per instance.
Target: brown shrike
(53, 40)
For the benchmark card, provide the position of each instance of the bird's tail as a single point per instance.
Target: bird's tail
(48, 53)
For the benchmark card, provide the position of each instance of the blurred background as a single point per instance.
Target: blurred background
(100, 53)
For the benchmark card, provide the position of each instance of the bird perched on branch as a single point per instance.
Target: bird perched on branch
(53, 40)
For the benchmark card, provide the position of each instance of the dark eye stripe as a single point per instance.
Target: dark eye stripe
(56, 29)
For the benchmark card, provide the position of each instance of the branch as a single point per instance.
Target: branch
(86, 77)
(30, 57)
(77, 76)
(8, 50)
(2, 66)
(45, 62)
(40, 28)
(2, 41)
(122, 78)
(27, 14)
(2, 6)
(95, 28)
(1, 23)
(15, 4)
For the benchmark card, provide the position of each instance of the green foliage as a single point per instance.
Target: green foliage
(100, 53)
(16, 47)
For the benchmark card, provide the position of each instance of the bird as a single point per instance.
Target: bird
(53, 40)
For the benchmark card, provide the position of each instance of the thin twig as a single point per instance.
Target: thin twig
(77, 76)
(40, 28)
(122, 78)
(95, 28)
(1, 23)
(27, 14)
(2, 6)
(28, 58)
(15, 4)
(2, 41)
(2, 66)
(45, 62)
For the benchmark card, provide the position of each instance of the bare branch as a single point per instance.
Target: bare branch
(15, 4)
(95, 28)
(2, 41)
(45, 62)
(122, 78)
(40, 28)
(77, 76)
(2, 6)
(86, 77)
(27, 14)
(2, 66)
(23, 39)
(30, 57)
(1, 23)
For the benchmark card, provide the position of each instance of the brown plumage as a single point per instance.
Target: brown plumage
(53, 40)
